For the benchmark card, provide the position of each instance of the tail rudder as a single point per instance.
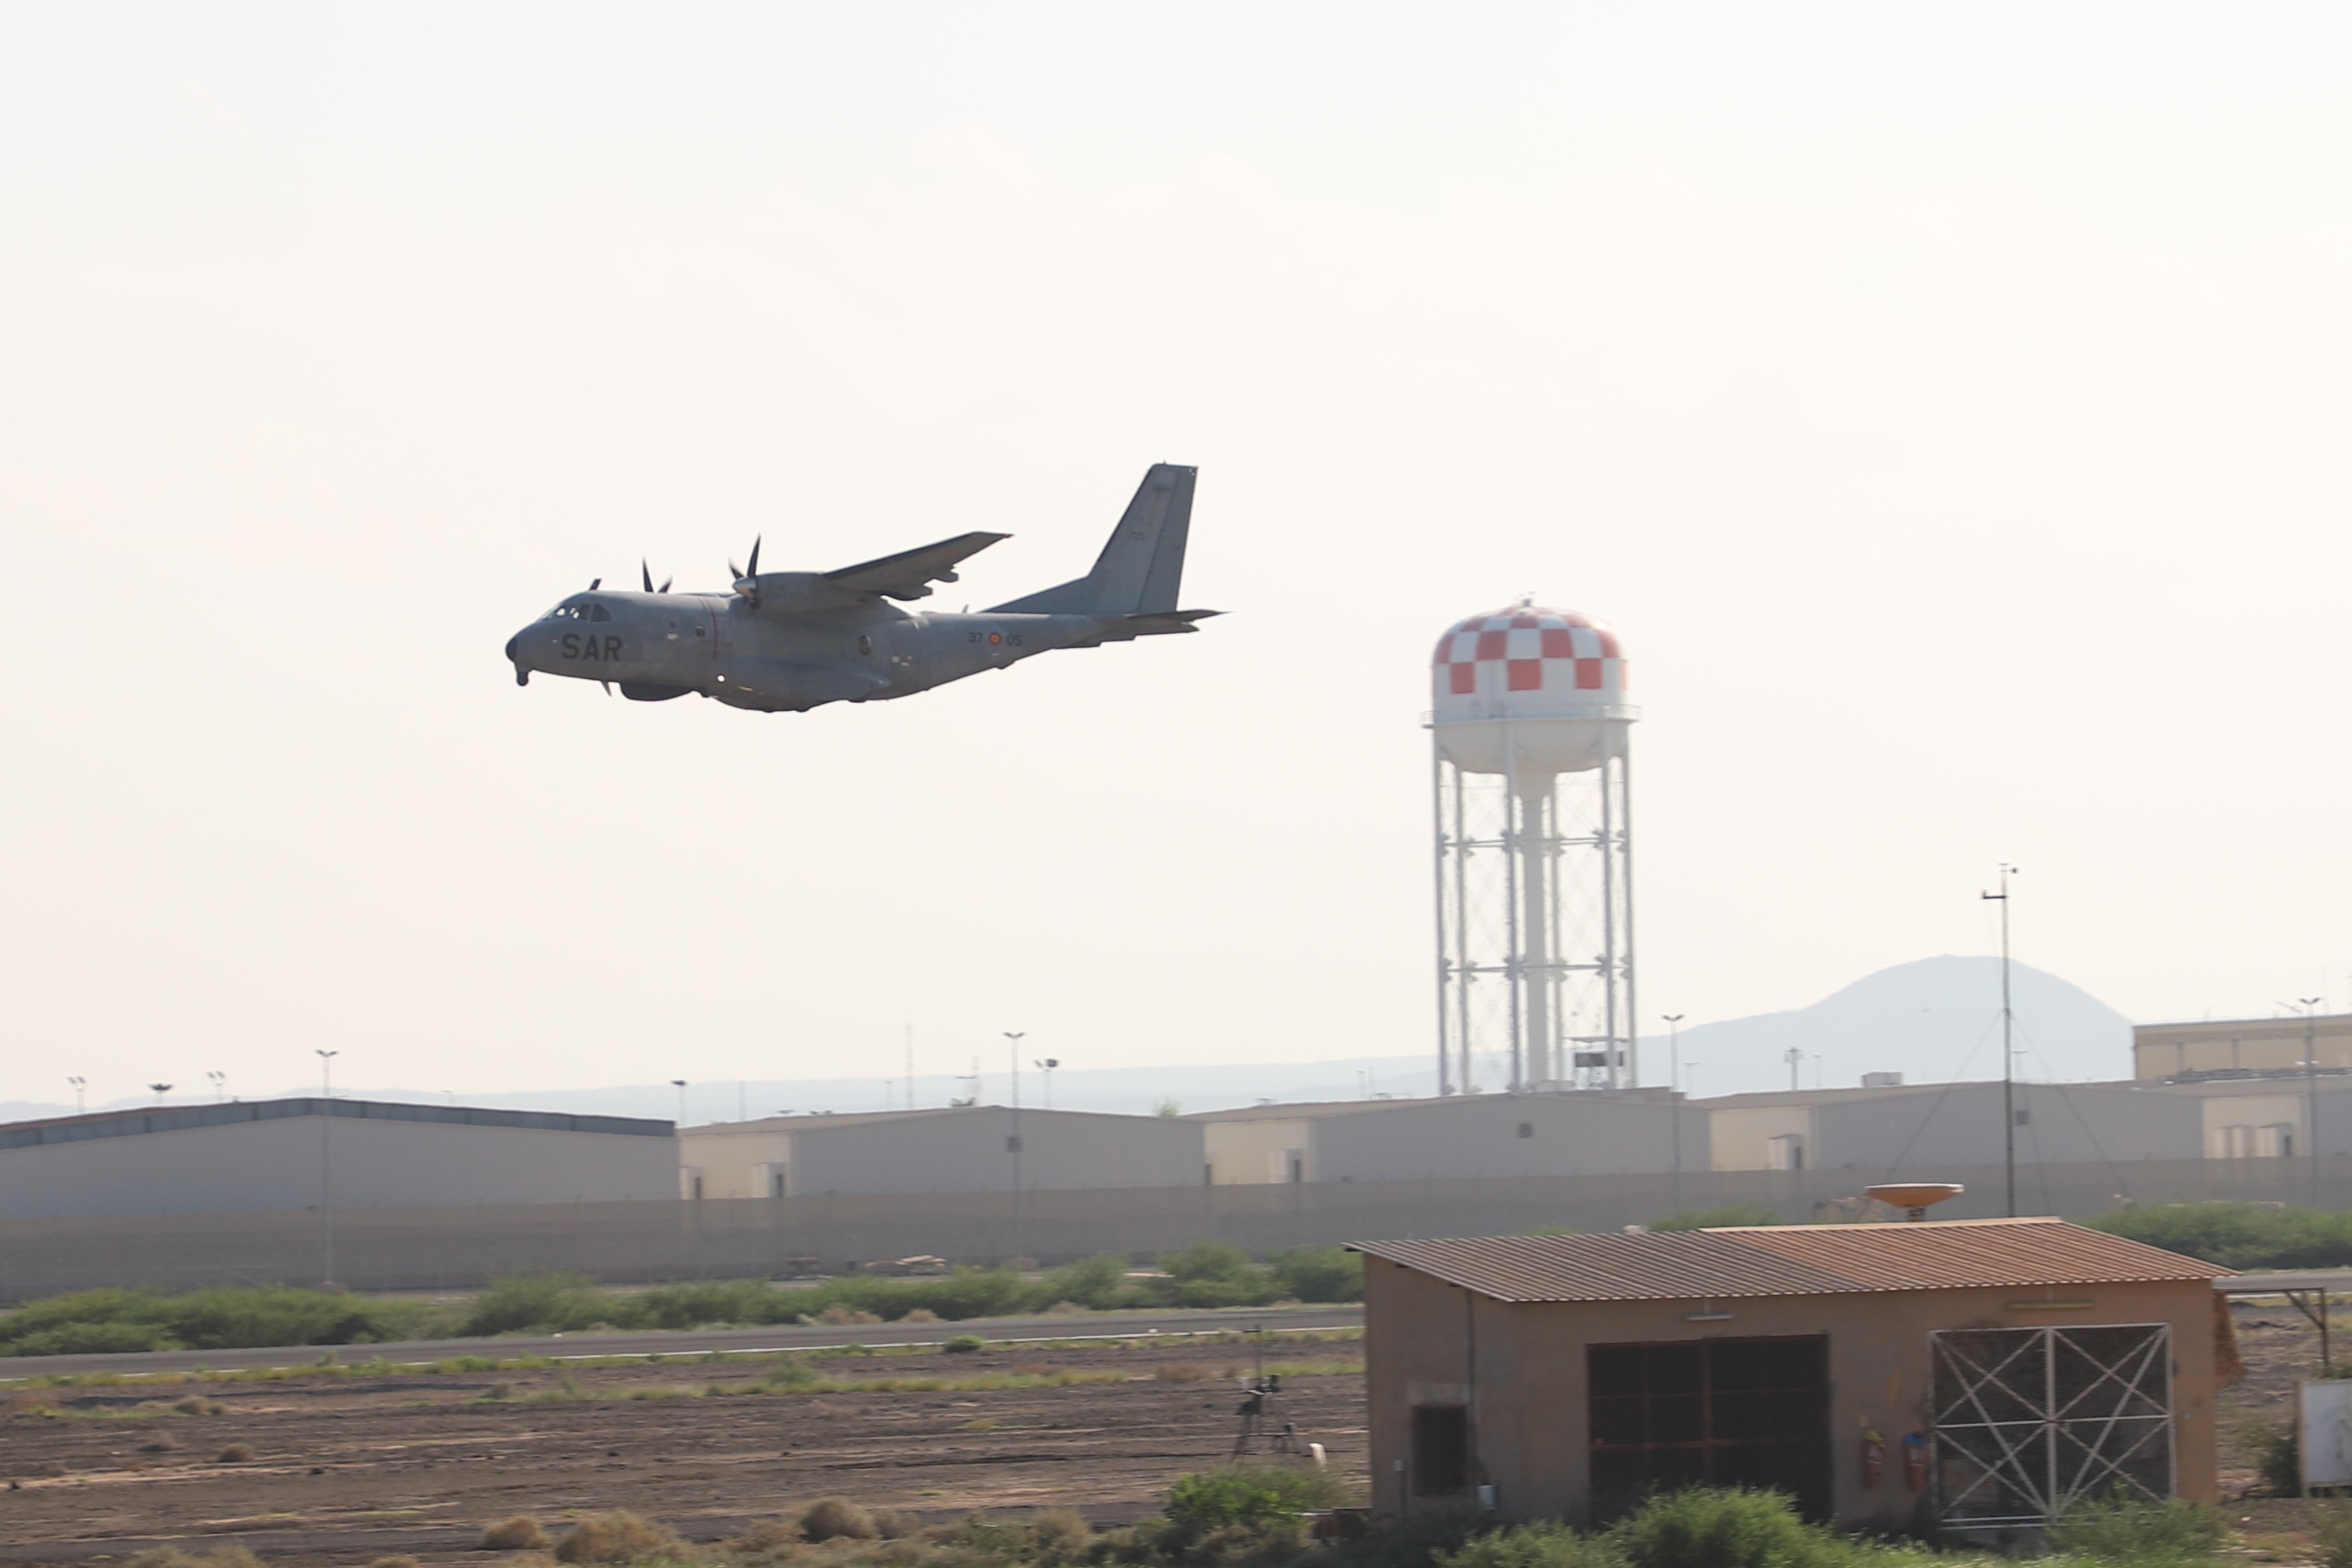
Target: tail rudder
(1141, 565)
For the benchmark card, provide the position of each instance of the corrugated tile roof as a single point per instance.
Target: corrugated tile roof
(1791, 1260)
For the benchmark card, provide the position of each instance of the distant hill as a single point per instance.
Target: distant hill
(1935, 1021)
(1932, 1021)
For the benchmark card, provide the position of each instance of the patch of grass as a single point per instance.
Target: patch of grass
(964, 1345)
(229, 1556)
(1540, 1545)
(2172, 1530)
(2331, 1535)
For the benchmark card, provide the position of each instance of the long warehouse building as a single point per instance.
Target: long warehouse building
(262, 1156)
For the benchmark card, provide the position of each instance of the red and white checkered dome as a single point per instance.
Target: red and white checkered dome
(1547, 658)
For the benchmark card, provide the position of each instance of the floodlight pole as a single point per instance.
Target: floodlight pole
(80, 1086)
(2008, 1056)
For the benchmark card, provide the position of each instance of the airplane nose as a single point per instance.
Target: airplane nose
(510, 643)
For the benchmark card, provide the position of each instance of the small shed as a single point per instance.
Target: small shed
(1986, 1373)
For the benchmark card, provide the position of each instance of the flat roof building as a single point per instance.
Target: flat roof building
(1880, 1374)
(964, 1149)
(1922, 1125)
(2241, 1047)
(1463, 1136)
(260, 1155)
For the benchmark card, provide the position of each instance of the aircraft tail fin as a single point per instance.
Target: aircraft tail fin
(1140, 567)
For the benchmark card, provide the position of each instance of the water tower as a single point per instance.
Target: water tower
(1534, 854)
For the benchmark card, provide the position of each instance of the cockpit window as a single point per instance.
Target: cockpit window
(598, 613)
(579, 609)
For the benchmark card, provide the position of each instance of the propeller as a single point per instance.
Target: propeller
(746, 584)
(649, 577)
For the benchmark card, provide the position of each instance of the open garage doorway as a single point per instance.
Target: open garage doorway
(1711, 1412)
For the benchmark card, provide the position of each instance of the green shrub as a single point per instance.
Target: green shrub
(1319, 1273)
(2239, 1234)
(94, 1339)
(2270, 1445)
(838, 1519)
(548, 1302)
(1095, 1282)
(219, 1317)
(964, 1345)
(1722, 1214)
(519, 1533)
(2135, 1530)
(1206, 1501)
(620, 1537)
(1059, 1534)
(1724, 1527)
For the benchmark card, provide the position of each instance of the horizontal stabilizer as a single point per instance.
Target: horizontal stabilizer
(1160, 623)
(911, 573)
(1140, 567)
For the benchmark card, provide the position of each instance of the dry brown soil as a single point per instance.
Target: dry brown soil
(351, 1468)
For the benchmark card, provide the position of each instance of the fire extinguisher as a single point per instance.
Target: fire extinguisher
(1915, 1460)
(1874, 1457)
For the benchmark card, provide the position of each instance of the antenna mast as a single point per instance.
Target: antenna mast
(2008, 1056)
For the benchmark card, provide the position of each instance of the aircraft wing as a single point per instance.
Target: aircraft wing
(911, 573)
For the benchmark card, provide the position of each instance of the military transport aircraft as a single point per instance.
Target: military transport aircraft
(790, 641)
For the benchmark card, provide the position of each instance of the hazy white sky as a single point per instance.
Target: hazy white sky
(1947, 404)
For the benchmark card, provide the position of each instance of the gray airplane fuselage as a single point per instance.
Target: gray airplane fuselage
(660, 645)
(784, 641)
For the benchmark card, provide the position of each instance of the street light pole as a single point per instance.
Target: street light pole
(679, 1085)
(79, 1085)
(327, 1168)
(160, 1090)
(220, 1086)
(1046, 1064)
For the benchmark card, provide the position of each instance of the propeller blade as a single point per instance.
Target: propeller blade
(755, 560)
(648, 572)
(665, 587)
(733, 575)
(607, 686)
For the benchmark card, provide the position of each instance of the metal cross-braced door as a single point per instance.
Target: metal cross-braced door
(2030, 1421)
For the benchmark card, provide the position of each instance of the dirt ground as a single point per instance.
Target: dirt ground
(347, 1468)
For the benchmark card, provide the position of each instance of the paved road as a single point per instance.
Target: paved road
(1102, 1325)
